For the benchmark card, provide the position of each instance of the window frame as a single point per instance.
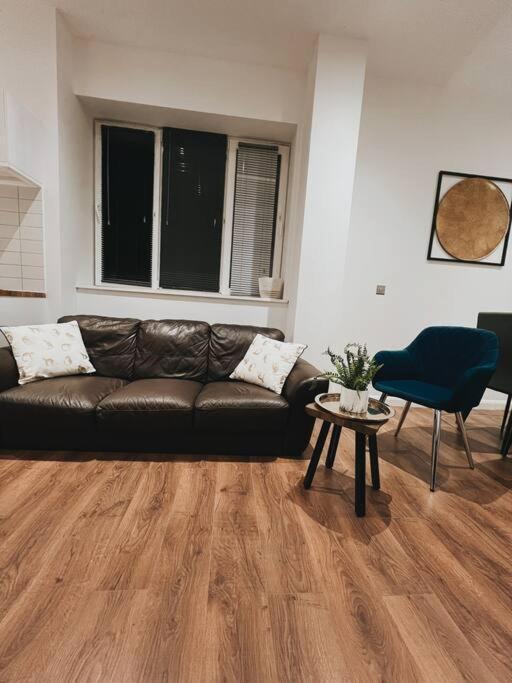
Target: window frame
(227, 221)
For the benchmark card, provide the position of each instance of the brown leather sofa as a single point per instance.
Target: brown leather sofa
(160, 385)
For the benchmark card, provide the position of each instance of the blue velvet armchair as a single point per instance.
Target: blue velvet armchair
(444, 368)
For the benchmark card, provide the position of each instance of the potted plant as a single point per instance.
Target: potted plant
(353, 372)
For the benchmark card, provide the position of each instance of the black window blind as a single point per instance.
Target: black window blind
(192, 209)
(127, 168)
(254, 216)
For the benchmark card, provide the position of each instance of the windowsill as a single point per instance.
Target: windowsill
(177, 294)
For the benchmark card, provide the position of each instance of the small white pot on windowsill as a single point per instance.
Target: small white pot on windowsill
(271, 287)
(352, 401)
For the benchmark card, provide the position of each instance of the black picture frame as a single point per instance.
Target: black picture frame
(451, 259)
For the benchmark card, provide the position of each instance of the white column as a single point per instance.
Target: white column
(337, 100)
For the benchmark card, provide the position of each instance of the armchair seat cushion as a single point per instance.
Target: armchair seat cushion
(152, 405)
(422, 393)
(239, 407)
(57, 404)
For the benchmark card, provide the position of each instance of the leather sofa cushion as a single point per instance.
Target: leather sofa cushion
(239, 407)
(150, 404)
(110, 343)
(172, 348)
(228, 345)
(53, 404)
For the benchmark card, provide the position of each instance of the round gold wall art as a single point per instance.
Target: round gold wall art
(472, 219)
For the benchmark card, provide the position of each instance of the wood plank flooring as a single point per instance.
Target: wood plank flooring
(148, 569)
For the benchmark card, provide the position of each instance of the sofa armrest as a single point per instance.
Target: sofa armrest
(303, 383)
(301, 387)
(8, 369)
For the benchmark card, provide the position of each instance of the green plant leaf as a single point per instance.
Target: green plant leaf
(355, 369)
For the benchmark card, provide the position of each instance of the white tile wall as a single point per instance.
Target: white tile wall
(29, 206)
(21, 239)
(31, 234)
(11, 283)
(9, 204)
(9, 244)
(10, 191)
(10, 270)
(32, 259)
(9, 218)
(29, 193)
(30, 220)
(9, 232)
(31, 247)
(33, 285)
(11, 257)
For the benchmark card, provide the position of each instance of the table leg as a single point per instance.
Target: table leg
(313, 464)
(374, 461)
(333, 446)
(360, 475)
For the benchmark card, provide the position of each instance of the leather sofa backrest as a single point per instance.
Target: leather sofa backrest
(228, 345)
(110, 343)
(172, 348)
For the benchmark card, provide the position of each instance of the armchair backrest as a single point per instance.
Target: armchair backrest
(442, 354)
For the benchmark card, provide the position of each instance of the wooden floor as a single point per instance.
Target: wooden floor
(221, 570)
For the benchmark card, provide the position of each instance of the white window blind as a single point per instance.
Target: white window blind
(254, 216)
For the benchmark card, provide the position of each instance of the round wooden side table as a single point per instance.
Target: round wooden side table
(365, 427)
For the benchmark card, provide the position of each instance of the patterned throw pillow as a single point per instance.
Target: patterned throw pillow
(43, 351)
(268, 363)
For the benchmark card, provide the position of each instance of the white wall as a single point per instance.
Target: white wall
(186, 308)
(177, 82)
(28, 70)
(336, 112)
(184, 82)
(76, 161)
(299, 161)
(409, 133)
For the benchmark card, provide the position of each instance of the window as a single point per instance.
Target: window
(127, 172)
(257, 174)
(187, 210)
(194, 168)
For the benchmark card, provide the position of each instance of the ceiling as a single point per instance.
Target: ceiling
(434, 41)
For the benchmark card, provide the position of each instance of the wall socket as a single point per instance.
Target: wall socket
(381, 289)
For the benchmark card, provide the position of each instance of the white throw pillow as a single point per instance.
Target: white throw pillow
(268, 363)
(43, 351)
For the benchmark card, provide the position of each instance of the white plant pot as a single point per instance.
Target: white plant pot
(271, 287)
(352, 401)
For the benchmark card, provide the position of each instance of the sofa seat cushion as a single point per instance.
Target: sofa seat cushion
(59, 403)
(151, 404)
(239, 407)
